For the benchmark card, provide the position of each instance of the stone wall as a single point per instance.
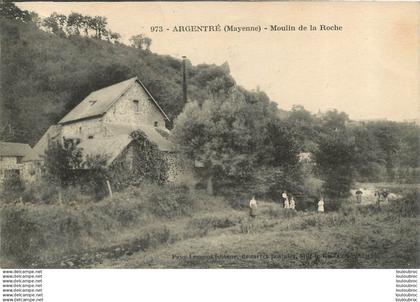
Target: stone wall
(84, 129)
(126, 111)
(177, 172)
(28, 171)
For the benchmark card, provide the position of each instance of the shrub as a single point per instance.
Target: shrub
(407, 206)
(208, 223)
(27, 230)
(171, 201)
(20, 234)
(12, 188)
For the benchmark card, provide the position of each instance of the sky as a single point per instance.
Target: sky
(370, 69)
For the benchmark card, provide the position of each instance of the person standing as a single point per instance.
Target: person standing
(321, 205)
(359, 194)
(378, 197)
(253, 207)
(285, 200)
(292, 203)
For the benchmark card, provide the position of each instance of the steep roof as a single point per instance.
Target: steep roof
(98, 102)
(42, 145)
(151, 132)
(110, 147)
(120, 138)
(14, 149)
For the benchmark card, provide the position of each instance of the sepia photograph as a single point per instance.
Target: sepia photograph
(231, 135)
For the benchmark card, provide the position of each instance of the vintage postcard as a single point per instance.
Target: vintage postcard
(209, 135)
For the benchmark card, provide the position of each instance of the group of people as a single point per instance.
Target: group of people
(288, 204)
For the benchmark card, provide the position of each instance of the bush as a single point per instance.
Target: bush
(43, 192)
(407, 206)
(27, 230)
(171, 201)
(12, 188)
(20, 235)
(208, 223)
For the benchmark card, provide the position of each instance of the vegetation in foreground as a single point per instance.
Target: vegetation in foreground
(170, 226)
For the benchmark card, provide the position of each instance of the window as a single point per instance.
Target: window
(80, 129)
(156, 124)
(90, 137)
(92, 103)
(136, 106)
(19, 159)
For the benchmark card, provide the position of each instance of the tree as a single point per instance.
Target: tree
(74, 23)
(335, 160)
(98, 24)
(114, 36)
(227, 136)
(306, 127)
(333, 120)
(56, 23)
(86, 23)
(141, 41)
(61, 160)
(387, 135)
(369, 158)
(147, 42)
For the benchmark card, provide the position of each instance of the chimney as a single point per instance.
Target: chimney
(184, 80)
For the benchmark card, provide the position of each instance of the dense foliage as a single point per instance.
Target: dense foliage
(383, 150)
(233, 137)
(141, 161)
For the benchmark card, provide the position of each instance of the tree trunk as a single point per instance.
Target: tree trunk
(60, 196)
(210, 185)
(109, 188)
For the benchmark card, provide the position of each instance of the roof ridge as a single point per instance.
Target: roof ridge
(121, 94)
(156, 103)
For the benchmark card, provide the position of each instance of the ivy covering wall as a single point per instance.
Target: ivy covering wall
(140, 161)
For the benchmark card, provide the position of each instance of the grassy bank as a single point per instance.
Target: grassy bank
(358, 237)
(173, 227)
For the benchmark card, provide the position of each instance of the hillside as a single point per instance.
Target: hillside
(44, 75)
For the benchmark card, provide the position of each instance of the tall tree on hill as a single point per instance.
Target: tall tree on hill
(86, 24)
(98, 24)
(141, 41)
(115, 37)
(55, 23)
(74, 23)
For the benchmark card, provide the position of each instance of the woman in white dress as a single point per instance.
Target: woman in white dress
(321, 205)
(253, 207)
(286, 200)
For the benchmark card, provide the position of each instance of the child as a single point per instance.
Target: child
(293, 203)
